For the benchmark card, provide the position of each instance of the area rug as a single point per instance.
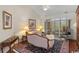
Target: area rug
(29, 48)
(55, 49)
(21, 48)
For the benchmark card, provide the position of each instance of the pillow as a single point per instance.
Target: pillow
(51, 36)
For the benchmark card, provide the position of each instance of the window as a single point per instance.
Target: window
(57, 27)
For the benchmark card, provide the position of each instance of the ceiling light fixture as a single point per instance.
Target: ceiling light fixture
(45, 7)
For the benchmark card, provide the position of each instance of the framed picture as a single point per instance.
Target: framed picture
(7, 20)
(32, 24)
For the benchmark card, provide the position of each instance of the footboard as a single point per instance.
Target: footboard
(39, 41)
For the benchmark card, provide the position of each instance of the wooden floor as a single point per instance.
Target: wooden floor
(72, 46)
(19, 45)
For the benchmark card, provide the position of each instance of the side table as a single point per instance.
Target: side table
(24, 38)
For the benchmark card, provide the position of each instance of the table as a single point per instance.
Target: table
(8, 42)
(24, 38)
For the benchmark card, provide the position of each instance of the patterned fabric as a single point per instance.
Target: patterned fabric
(57, 46)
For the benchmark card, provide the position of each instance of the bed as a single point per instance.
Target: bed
(40, 41)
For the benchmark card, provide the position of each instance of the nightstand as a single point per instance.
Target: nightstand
(24, 38)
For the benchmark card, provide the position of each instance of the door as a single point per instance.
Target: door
(77, 19)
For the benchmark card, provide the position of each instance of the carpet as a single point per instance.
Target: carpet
(29, 48)
(55, 49)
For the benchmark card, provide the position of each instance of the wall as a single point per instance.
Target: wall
(74, 27)
(20, 16)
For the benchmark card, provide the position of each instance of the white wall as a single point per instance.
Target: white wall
(74, 27)
(20, 16)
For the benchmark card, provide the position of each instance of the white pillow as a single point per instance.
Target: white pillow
(50, 36)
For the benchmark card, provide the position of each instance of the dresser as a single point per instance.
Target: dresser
(73, 45)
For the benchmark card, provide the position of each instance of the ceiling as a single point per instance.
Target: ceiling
(54, 10)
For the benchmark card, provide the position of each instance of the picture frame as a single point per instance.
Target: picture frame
(32, 24)
(7, 20)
